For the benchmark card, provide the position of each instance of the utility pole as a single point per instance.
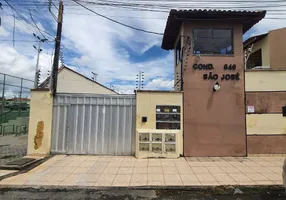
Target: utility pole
(36, 83)
(3, 96)
(20, 104)
(54, 75)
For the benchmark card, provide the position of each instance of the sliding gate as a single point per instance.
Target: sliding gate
(94, 124)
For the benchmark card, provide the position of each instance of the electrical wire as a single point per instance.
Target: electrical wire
(73, 59)
(19, 41)
(27, 21)
(148, 18)
(37, 26)
(138, 29)
(44, 17)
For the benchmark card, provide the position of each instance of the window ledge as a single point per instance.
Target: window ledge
(216, 55)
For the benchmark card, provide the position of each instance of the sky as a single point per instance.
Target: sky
(93, 44)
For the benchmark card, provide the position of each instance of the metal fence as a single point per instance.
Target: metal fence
(94, 124)
(15, 99)
(14, 116)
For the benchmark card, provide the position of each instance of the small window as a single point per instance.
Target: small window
(178, 51)
(213, 41)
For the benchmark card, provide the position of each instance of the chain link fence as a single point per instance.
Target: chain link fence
(14, 116)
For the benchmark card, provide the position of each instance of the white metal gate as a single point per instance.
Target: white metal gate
(94, 124)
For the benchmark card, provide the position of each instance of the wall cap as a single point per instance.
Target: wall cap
(264, 70)
(158, 91)
(40, 89)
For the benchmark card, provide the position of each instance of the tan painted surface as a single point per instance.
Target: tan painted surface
(277, 48)
(264, 46)
(40, 123)
(126, 171)
(70, 82)
(262, 124)
(260, 80)
(146, 103)
(266, 144)
(214, 122)
(266, 102)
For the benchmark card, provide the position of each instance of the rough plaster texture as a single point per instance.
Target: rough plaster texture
(262, 124)
(40, 123)
(146, 103)
(214, 122)
(264, 80)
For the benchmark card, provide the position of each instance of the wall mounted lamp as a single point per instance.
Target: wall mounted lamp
(216, 87)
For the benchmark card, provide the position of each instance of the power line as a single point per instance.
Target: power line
(138, 29)
(37, 26)
(196, 4)
(19, 41)
(163, 5)
(73, 59)
(44, 17)
(165, 18)
(27, 21)
(115, 21)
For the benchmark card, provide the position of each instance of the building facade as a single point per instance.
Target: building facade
(265, 119)
(70, 81)
(209, 68)
(267, 50)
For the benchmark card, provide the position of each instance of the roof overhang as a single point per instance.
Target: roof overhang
(253, 40)
(177, 17)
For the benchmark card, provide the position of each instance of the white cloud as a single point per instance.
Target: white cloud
(14, 63)
(160, 83)
(3, 32)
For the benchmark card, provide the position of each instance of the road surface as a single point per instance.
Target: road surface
(147, 193)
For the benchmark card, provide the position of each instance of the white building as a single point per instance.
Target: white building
(70, 81)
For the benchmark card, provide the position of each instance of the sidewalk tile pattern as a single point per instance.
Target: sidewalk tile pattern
(128, 171)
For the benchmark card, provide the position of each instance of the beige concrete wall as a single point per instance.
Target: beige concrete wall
(146, 103)
(70, 82)
(40, 123)
(264, 46)
(277, 46)
(265, 124)
(265, 80)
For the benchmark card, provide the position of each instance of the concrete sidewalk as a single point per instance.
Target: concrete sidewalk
(128, 171)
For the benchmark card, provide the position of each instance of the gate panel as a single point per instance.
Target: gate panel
(94, 124)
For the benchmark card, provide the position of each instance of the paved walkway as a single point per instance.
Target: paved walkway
(129, 171)
(12, 147)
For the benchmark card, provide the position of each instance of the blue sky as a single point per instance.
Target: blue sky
(91, 43)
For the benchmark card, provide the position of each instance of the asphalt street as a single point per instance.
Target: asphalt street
(148, 194)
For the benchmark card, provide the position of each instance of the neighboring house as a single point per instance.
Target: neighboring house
(267, 50)
(209, 66)
(70, 81)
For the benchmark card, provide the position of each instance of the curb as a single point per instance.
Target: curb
(28, 168)
(197, 189)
